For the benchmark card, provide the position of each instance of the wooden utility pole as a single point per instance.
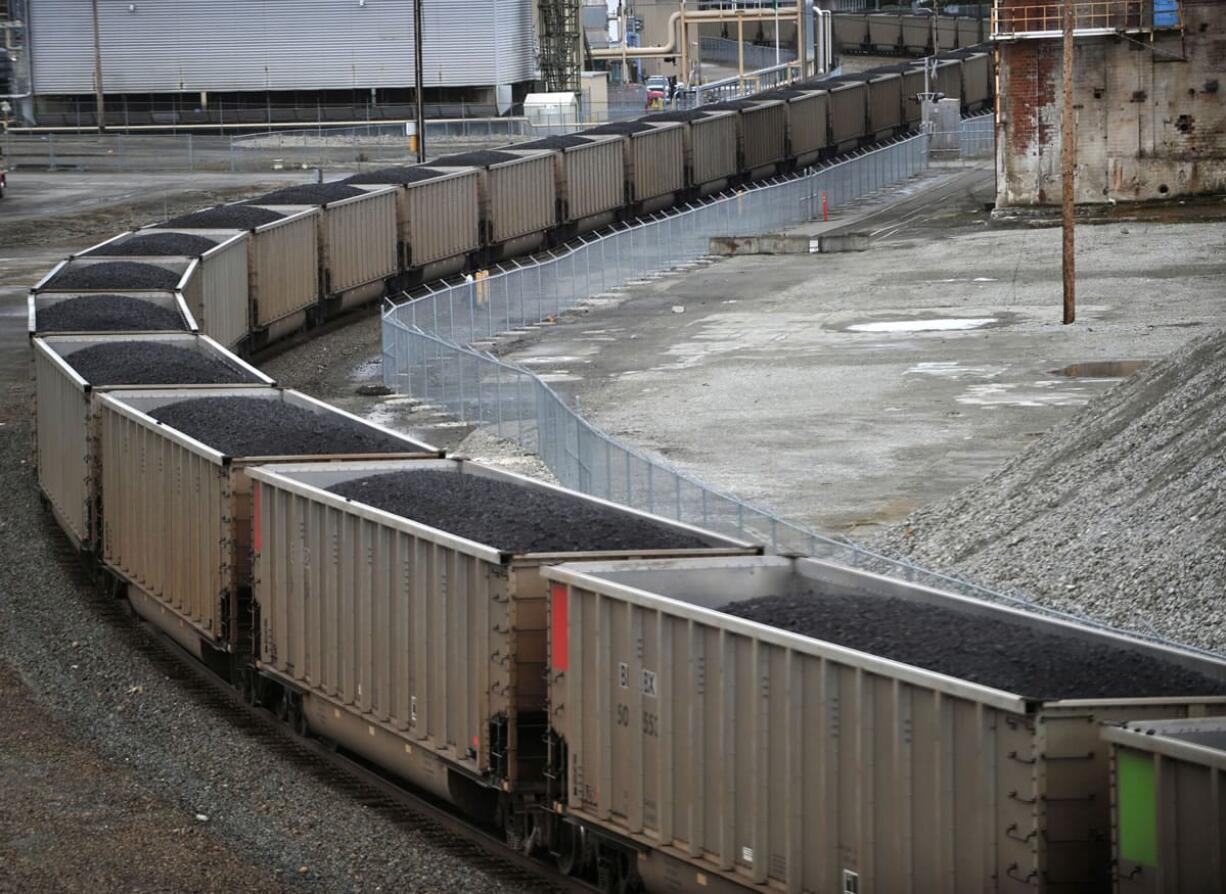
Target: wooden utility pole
(98, 92)
(420, 109)
(1068, 161)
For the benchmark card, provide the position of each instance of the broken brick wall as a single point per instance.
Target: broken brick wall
(1151, 114)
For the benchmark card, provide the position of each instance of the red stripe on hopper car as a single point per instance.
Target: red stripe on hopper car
(559, 630)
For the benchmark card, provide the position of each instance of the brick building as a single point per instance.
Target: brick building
(1149, 98)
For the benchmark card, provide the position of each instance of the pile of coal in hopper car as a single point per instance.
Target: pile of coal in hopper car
(152, 363)
(225, 217)
(254, 426)
(1034, 661)
(119, 275)
(108, 313)
(512, 517)
(402, 174)
(153, 244)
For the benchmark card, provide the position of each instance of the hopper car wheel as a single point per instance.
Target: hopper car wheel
(298, 718)
(570, 848)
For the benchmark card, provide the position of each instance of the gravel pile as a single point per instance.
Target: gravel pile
(180, 244)
(1119, 514)
(1001, 654)
(108, 313)
(152, 363)
(225, 217)
(508, 516)
(479, 159)
(396, 174)
(96, 675)
(307, 194)
(559, 142)
(125, 275)
(252, 426)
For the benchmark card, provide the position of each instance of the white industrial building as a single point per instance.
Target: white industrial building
(359, 52)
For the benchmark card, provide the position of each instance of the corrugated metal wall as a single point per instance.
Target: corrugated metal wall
(172, 46)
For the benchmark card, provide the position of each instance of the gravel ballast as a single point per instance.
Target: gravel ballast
(225, 217)
(151, 363)
(308, 194)
(124, 275)
(508, 516)
(1118, 514)
(397, 174)
(151, 244)
(251, 426)
(1005, 655)
(227, 783)
(108, 313)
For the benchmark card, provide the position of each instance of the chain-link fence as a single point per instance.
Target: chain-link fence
(974, 138)
(429, 354)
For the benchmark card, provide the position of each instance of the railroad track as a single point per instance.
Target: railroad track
(440, 826)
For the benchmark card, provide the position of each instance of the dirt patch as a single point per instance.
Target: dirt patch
(248, 426)
(511, 517)
(1013, 657)
(70, 821)
(152, 363)
(108, 313)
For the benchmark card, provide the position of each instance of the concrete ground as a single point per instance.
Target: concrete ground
(846, 390)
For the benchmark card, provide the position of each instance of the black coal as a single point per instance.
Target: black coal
(108, 313)
(225, 217)
(152, 363)
(397, 174)
(251, 426)
(150, 244)
(307, 194)
(511, 517)
(1002, 654)
(122, 275)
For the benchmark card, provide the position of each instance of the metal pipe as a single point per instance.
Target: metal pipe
(419, 102)
(101, 104)
(684, 16)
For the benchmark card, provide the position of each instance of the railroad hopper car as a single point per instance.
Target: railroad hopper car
(1168, 805)
(848, 113)
(176, 500)
(283, 287)
(912, 88)
(66, 412)
(885, 33)
(913, 35)
(709, 138)
(885, 102)
(356, 231)
(438, 220)
(216, 289)
(946, 79)
(977, 80)
(82, 275)
(516, 195)
(905, 739)
(588, 173)
(419, 641)
(82, 313)
(851, 32)
(654, 162)
(762, 135)
(808, 126)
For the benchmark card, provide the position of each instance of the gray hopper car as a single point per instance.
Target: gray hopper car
(176, 513)
(848, 114)
(357, 245)
(418, 648)
(762, 141)
(1168, 805)
(217, 291)
(67, 415)
(729, 754)
(282, 272)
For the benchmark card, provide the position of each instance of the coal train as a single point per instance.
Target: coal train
(578, 674)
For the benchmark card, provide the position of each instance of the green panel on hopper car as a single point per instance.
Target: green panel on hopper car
(1138, 806)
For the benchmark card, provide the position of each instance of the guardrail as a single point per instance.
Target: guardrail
(1046, 19)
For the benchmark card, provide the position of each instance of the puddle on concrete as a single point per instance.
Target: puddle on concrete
(1025, 394)
(952, 369)
(956, 324)
(1099, 369)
